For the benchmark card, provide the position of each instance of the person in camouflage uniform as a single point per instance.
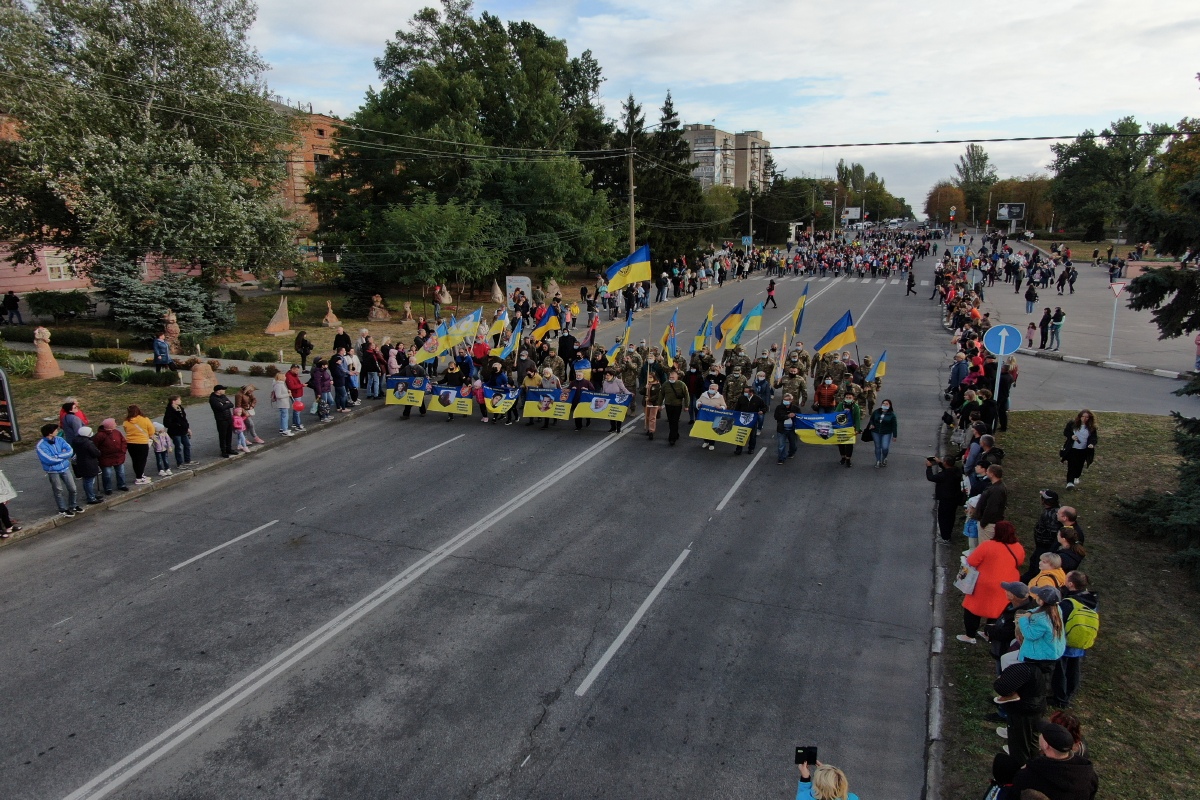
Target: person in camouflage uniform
(734, 384)
(737, 359)
(704, 360)
(555, 363)
(629, 374)
(764, 363)
(794, 383)
(799, 359)
(868, 393)
(837, 370)
(642, 350)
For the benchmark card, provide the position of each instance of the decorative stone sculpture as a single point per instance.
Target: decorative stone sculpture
(552, 288)
(171, 329)
(47, 366)
(377, 312)
(330, 320)
(408, 317)
(280, 324)
(203, 380)
(497, 295)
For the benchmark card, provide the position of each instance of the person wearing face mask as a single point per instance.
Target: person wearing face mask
(748, 403)
(653, 364)
(884, 430)
(695, 382)
(674, 397)
(786, 440)
(764, 391)
(711, 398)
(850, 406)
(825, 396)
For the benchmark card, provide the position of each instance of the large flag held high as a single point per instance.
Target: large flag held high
(879, 369)
(550, 322)
(798, 311)
(840, 335)
(729, 323)
(619, 347)
(667, 342)
(750, 322)
(634, 268)
(505, 350)
(700, 340)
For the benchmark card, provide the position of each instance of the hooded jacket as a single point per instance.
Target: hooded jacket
(55, 455)
(1070, 779)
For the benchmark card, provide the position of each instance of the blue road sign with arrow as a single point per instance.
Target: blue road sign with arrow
(1002, 340)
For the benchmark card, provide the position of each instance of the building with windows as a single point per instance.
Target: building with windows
(750, 160)
(727, 159)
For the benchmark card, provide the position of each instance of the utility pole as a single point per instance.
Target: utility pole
(751, 214)
(632, 227)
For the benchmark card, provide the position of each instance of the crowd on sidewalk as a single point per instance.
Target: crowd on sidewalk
(1039, 617)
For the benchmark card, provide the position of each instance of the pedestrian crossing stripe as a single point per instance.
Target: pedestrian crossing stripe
(882, 280)
(822, 280)
(895, 281)
(924, 283)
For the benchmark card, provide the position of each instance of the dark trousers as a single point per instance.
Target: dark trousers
(1075, 459)
(947, 512)
(970, 623)
(225, 436)
(673, 413)
(847, 451)
(1065, 680)
(1022, 735)
(1045, 336)
(1002, 415)
(139, 454)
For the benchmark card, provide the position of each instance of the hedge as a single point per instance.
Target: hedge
(106, 355)
(264, 357)
(237, 355)
(148, 377)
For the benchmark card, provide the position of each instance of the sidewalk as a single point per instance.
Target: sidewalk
(1089, 321)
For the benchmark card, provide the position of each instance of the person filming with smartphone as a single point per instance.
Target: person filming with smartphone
(821, 782)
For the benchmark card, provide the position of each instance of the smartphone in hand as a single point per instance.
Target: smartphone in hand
(806, 755)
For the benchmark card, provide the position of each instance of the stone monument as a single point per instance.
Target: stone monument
(47, 366)
(203, 380)
(280, 324)
(408, 317)
(497, 295)
(377, 312)
(171, 329)
(330, 320)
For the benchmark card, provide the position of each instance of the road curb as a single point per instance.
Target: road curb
(935, 747)
(1105, 364)
(56, 521)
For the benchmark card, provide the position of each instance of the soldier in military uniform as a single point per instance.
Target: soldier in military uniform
(734, 383)
(555, 363)
(800, 359)
(836, 370)
(642, 350)
(764, 363)
(629, 374)
(868, 394)
(794, 383)
(737, 359)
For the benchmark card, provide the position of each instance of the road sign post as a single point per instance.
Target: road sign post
(1117, 288)
(1001, 341)
(747, 241)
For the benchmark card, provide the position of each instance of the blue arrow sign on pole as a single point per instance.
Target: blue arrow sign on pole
(1002, 340)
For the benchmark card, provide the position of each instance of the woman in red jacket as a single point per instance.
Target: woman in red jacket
(998, 561)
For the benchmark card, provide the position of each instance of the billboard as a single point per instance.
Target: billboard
(851, 213)
(1010, 212)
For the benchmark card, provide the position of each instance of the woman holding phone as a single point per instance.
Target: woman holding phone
(824, 782)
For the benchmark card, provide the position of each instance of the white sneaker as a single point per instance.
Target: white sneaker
(168, 472)
(1070, 485)
(161, 473)
(286, 433)
(1002, 732)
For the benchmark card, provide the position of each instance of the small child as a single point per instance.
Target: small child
(162, 445)
(1030, 332)
(239, 428)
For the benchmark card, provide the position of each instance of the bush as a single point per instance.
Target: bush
(557, 273)
(271, 370)
(215, 352)
(139, 305)
(238, 355)
(58, 304)
(297, 307)
(19, 333)
(256, 370)
(104, 341)
(264, 357)
(148, 377)
(188, 342)
(191, 362)
(120, 374)
(18, 365)
(232, 369)
(216, 365)
(105, 355)
(69, 338)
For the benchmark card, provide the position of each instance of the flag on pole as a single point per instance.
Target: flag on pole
(729, 323)
(700, 340)
(750, 322)
(620, 346)
(589, 338)
(778, 376)
(634, 268)
(435, 346)
(798, 311)
(879, 369)
(499, 323)
(838, 336)
(505, 350)
(667, 342)
(465, 328)
(549, 323)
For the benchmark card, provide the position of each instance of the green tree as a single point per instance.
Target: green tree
(1171, 216)
(142, 129)
(670, 202)
(974, 175)
(1098, 179)
(481, 113)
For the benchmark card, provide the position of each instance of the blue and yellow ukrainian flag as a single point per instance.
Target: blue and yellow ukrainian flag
(840, 335)
(505, 350)
(798, 312)
(666, 344)
(500, 323)
(750, 322)
(435, 347)
(634, 268)
(549, 323)
(462, 329)
(700, 340)
(729, 323)
(621, 346)
(879, 369)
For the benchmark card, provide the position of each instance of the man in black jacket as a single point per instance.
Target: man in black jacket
(749, 402)
(222, 408)
(1057, 772)
(1021, 690)
(947, 491)
(992, 503)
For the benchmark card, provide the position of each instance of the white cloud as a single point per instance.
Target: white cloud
(809, 72)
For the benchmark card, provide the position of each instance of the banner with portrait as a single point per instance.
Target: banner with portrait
(499, 401)
(406, 391)
(836, 427)
(721, 425)
(598, 405)
(452, 399)
(547, 403)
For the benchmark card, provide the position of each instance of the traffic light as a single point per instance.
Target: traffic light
(952, 218)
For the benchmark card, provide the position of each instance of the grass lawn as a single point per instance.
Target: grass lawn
(38, 402)
(1139, 700)
(1082, 251)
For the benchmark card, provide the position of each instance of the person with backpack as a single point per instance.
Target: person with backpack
(1081, 621)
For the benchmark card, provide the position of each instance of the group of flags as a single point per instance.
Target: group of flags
(634, 269)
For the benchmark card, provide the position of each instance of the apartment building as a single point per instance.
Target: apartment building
(750, 160)
(727, 159)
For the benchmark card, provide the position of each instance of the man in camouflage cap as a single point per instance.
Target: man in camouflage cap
(794, 383)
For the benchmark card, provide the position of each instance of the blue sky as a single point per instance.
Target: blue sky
(808, 72)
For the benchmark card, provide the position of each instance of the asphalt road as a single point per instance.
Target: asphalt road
(518, 613)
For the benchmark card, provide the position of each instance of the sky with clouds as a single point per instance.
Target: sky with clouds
(806, 72)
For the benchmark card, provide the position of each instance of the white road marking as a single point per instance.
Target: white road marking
(436, 446)
(822, 280)
(121, 772)
(895, 281)
(882, 280)
(858, 321)
(61, 621)
(526, 761)
(741, 479)
(182, 564)
(159, 575)
(924, 283)
(629, 626)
